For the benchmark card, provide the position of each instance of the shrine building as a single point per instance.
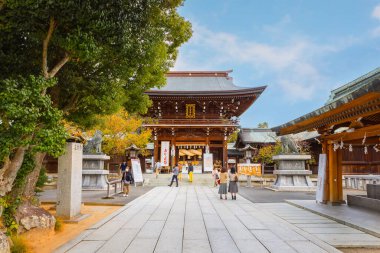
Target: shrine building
(349, 128)
(194, 114)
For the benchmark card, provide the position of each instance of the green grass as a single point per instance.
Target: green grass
(58, 227)
(19, 245)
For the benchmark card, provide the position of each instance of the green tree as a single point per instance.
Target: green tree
(233, 137)
(100, 54)
(266, 153)
(263, 125)
(28, 123)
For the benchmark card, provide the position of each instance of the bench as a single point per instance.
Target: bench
(115, 183)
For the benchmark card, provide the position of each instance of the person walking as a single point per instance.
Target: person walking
(191, 170)
(233, 186)
(223, 183)
(157, 168)
(122, 167)
(127, 180)
(175, 175)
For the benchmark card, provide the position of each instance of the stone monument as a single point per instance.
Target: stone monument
(291, 173)
(94, 176)
(69, 185)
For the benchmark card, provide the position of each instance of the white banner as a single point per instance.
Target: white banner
(136, 169)
(208, 164)
(321, 183)
(165, 153)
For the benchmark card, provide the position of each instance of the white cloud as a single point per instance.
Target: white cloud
(293, 63)
(376, 12)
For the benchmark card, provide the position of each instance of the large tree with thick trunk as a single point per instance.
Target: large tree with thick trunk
(89, 57)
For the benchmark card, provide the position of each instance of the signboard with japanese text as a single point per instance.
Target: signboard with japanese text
(208, 162)
(321, 179)
(165, 156)
(136, 170)
(249, 169)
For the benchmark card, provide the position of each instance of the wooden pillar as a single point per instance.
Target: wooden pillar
(207, 144)
(333, 175)
(225, 155)
(173, 158)
(155, 151)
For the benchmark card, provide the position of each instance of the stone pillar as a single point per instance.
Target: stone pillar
(69, 185)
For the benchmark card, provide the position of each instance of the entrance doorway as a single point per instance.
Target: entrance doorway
(190, 153)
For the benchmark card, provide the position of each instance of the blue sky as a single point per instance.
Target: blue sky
(300, 49)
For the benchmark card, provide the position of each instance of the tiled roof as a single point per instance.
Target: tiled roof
(215, 83)
(257, 135)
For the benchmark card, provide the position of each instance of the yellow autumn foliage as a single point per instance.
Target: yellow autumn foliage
(73, 131)
(120, 130)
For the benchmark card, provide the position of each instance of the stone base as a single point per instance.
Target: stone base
(76, 219)
(94, 179)
(291, 173)
(364, 202)
(373, 191)
(292, 188)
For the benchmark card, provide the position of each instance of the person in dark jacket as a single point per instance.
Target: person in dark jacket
(127, 179)
(175, 175)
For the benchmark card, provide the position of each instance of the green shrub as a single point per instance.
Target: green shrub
(18, 245)
(42, 178)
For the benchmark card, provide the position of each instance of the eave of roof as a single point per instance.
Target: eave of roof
(364, 91)
(240, 92)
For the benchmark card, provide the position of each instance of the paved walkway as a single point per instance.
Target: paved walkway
(194, 219)
(363, 219)
(325, 229)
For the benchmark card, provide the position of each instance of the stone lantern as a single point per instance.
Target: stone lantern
(132, 151)
(248, 151)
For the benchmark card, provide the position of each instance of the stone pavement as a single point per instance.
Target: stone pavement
(362, 219)
(325, 229)
(194, 219)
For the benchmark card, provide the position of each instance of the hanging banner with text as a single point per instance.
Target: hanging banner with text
(136, 170)
(165, 157)
(207, 162)
(321, 183)
(249, 169)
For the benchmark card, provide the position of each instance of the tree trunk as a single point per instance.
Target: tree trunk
(32, 178)
(9, 171)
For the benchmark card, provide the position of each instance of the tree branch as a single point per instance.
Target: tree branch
(59, 65)
(45, 45)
